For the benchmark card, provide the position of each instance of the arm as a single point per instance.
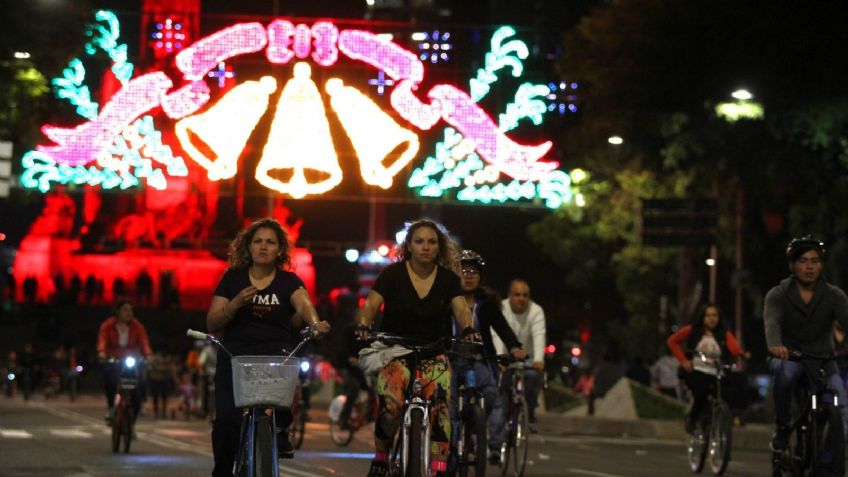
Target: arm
(222, 310)
(365, 315)
(773, 323)
(461, 312)
(841, 313)
(300, 301)
(504, 332)
(537, 330)
(102, 338)
(674, 342)
(144, 341)
(733, 346)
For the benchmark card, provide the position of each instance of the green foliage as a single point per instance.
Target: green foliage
(651, 404)
(559, 398)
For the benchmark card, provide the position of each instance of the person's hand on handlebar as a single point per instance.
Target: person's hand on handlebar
(687, 365)
(781, 352)
(321, 328)
(518, 354)
(470, 334)
(362, 332)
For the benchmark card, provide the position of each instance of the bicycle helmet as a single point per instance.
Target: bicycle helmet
(472, 257)
(802, 245)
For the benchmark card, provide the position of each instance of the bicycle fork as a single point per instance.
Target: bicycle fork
(417, 402)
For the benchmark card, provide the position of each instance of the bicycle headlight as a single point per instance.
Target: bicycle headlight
(129, 362)
(304, 366)
(10, 376)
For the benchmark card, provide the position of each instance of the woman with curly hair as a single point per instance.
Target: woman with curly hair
(254, 310)
(421, 293)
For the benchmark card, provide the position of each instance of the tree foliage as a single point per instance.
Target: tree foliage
(652, 72)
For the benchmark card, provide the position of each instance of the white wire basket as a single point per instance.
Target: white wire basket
(264, 380)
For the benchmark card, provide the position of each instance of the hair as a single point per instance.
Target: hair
(702, 312)
(118, 304)
(448, 256)
(516, 281)
(698, 327)
(239, 255)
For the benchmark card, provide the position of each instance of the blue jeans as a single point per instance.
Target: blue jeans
(785, 376)
(487, 385)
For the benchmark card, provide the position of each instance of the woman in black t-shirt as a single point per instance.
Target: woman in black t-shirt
(254, 310)
(421, 293)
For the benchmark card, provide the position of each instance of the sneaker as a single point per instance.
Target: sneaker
(378, 469)
(780, 439)
(494, 457)
(110, 416)
(285, 449)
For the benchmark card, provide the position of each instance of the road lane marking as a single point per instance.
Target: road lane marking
(15, 434)
(589, 472)
(71, 433)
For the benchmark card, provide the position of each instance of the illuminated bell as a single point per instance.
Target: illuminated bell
(383, 146)
(299, 157)
(215, 138)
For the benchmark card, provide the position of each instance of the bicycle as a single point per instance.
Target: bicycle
(410, 456)
(300, 410)
(713, 433)
(364, 411)
(516, 425)
(260, 383)
(130, 371)
(817, 441)
(471, 438)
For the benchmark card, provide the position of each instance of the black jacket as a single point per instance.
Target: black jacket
(489, 316)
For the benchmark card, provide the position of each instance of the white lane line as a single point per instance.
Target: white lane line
(287, 471)
(15, 434)
(589, 472)
(71, 433)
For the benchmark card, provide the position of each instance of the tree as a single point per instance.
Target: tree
(652, 72)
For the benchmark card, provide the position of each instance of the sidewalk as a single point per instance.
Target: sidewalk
(749, 436)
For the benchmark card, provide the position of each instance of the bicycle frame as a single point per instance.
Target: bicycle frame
(128, 371)
(253, 422)
(468, 398)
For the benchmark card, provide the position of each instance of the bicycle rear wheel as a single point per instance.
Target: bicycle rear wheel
(127, 427)
(263, 457)
(299, 427)
(473, 434)
(522, 439)
(720, 439)
(696, 447)
(829, 458)
(414, 465)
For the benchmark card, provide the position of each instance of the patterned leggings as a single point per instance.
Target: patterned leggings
(391, 384)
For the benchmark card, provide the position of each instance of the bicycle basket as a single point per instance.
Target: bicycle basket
(264, 380)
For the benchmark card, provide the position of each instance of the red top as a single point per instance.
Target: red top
(108, 339)
(682, 336)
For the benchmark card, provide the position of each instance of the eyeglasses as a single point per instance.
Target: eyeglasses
(470, 271)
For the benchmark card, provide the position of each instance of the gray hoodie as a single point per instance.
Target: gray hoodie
(804, 327)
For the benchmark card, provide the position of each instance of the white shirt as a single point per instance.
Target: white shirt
(529, 327)
(707, 353)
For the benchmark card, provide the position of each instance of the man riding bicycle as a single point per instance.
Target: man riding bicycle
(488, 317)
(799, 315)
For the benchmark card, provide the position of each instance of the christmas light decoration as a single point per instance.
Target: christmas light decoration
(373, 133)
(299, 157)
(222, 131)
(434, 46)
(562, 97)
(381, 82)
(500, 56)
(169, 36)
(222, 73)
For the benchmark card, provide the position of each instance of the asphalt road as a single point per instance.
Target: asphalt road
(70, 439)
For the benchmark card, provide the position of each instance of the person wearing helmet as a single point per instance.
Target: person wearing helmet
(488, 317)
(799, 315)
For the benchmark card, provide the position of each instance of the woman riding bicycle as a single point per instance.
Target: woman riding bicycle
(420, 293)
(255, 309)
(707, 342)
(121, 335)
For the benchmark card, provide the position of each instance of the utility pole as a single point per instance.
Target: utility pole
(740, 213)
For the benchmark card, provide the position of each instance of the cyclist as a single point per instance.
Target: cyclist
(121, 335)
(707, 341)
(486, 310)
(420, 293)
(256, 307)
(799, 315)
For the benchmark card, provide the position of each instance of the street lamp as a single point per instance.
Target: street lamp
(742, 95)
(615, 140)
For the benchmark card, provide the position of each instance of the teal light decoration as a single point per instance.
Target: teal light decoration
(525, 106)
(122, 166)
(103, 37)
(70, 86)
(501, 56)
(455, 167)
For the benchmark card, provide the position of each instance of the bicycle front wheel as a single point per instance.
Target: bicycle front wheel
(127, 427)
(414, 465)
(720, 439)
(829, 458)
(516, 440)
(696, 446)
(263, 457)
(117, 422)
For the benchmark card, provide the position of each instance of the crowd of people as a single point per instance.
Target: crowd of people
(435, 293)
